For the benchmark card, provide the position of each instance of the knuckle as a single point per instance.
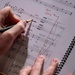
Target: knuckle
(51, 67)
(49, 71)
(21, 26)
(36, 68)
(9, 34)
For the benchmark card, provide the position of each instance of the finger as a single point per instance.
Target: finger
(37, 65)
(16, 29)
(10, 35)
(70, 74)
(25, 71)
(50, 70)
(8, 15)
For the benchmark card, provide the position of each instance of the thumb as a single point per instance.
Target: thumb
(25, 71)
(9, 36)
(17, 29)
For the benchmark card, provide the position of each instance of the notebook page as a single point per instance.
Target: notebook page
(50, 34)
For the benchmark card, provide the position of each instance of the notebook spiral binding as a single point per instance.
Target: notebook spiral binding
(66, 55)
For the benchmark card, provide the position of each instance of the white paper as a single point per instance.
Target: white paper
(51, 32)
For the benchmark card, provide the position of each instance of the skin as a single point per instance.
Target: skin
(7, 39)
(8, 18)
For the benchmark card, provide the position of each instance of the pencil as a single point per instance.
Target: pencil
(6, 28)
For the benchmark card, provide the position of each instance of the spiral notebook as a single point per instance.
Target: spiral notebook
(52, 34)
(69, 51)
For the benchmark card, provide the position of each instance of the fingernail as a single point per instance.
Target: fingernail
(41, 56)
(55, 60)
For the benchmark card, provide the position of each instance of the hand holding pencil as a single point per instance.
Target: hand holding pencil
(8, 27)
(9, 32)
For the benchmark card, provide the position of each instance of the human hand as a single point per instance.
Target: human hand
(37, 67)
(7, 38)
(70, 74)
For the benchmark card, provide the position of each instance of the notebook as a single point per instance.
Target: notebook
(52, 34)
